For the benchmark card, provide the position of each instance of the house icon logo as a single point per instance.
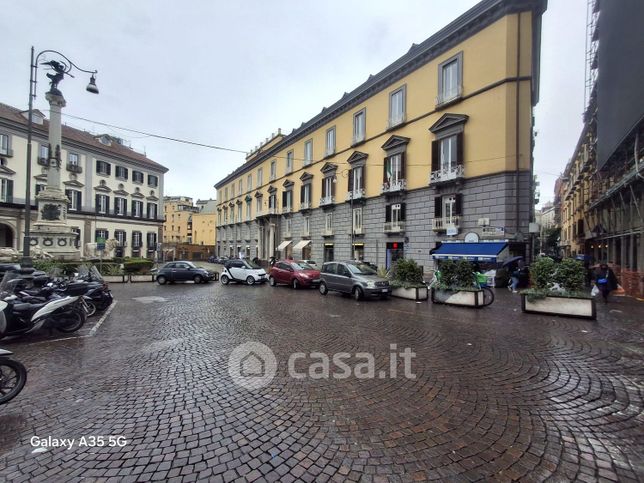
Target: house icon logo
(252, 365)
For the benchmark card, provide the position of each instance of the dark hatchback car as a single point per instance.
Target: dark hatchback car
(355, 278)
(296, 274)
(183, 272)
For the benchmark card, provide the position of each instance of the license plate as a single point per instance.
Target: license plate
(385, 290)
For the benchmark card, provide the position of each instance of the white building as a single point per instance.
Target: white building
(114, 191)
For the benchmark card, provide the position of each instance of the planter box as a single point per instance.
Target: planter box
(458, 297)
(571, 307)
(115, 278)
(416, 293)
(141, 278)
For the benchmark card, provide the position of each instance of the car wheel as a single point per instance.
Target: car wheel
(272, 282)
(198, 279)
(357, 293)
(323, 289)
(295, 284)
(224, 279)
(161, 280)
(250, 280)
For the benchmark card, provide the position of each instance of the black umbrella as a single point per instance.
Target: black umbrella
(510, 261)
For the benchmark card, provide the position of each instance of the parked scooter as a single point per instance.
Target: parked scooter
(13, 376)
(98, 296)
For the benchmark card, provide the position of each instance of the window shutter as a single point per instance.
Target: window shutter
(148, 212)
(332, 188)
(284, 195)
(436, 162)
(9, 191)
(302, 194)
(125, 173)
(350, 184)
(402, 165)
(97, 202)
(402, 211)
(133, 207)
(79, 200)
(364, 173)
(458, 202)
(459, 148)
(384, 170)
(323, 188)
(107, 205)
(109, 168)
(438, 207)
(69, 194)
(388, 213)
(98, 167)
(124, 237)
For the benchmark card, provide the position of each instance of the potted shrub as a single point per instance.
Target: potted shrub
(113, 273)
(558, 289)
(457, 285)
(407, 280)
(138, 269)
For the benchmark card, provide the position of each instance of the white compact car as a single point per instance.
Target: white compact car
(242, 271)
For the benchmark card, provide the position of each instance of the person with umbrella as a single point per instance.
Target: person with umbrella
(514, 265)
(605, 280)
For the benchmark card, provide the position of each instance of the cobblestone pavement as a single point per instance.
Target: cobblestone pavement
(498, 395)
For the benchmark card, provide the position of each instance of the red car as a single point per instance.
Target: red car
(296, 274)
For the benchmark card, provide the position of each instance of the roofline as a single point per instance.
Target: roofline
(471, 22)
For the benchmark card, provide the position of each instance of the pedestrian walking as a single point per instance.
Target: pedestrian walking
(515, 276)
(605, 280)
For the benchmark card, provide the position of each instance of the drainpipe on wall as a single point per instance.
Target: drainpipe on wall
(517, 122)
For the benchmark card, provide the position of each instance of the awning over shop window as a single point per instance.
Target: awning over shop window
(283, 245)
(301, 244)
(474, 252)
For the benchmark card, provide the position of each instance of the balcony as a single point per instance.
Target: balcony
(356, 194)
(258, 213)
(394, 186)
(442, 224)
(43, 161)
(327, 200)
(74, 168)
(358, 230)
(448, 96)
(306, 233)
(305, 205)
(447, 174)
(286, 210)
(394, 227)
(272, 210)
(327, 232)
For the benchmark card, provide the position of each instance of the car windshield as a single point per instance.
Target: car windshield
(249, 264)
(301, 266)
(361, 269)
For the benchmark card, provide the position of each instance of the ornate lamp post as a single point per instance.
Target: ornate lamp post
(54, 212)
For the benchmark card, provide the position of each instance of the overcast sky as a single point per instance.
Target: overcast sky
(231, 73)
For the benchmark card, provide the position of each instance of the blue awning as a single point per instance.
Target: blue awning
(474, 252)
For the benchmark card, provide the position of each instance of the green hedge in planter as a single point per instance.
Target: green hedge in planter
(138, 265)
(457, 275)
(406, 273)
(545, 273)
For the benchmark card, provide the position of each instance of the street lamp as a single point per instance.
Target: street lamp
(61, 68)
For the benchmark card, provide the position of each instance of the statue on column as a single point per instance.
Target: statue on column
(60, 69)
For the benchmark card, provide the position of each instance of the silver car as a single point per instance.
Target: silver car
(355, 278)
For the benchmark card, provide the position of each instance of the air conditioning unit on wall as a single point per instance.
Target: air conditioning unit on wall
(483, 222)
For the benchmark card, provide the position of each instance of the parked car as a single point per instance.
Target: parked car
(313, 263)
(296, 274)
(242, 271)
(355, 278)
(183, 271)
(212, 259)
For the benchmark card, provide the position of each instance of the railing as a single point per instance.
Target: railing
(394, 227)
(306, 233)
(74, 168)
(447, 174)
(43, 161)
(393, 187)
(356, 194)
(442, 224)
(286, 210)
(272, 210)
(327, 200)
(327, 232)
(305, 205)
(358, 230)
(448, 96)
(358, 139)
(287, 234)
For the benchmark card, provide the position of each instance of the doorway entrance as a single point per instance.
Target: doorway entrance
(395, 250)
(6, 236)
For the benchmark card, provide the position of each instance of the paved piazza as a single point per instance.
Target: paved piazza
(498, 395)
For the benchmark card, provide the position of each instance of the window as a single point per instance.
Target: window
(40, 187)
(305, 195)
(328, 221)
(397, 107)
(249, 182)
(232, 190)
(287, 200)
(359, 126)
(101, 233)
(395, 215)
(152, 241)
(121, 172)
(273, 169)
(102, 204)
(356, 179)
(72, 158)
(43, 152)
(103, 168)
(153, 181)
(307, 224)
(75, 198)
(248, 208)
(258, 206)
(289, 162)
(239, 212)
(137, 176)
(260, 177)
(272, 202)
(394, 170)
(308, 152)
(4, 145)
(6, 190)
(226, 193)
(450, 77)
(357, 219)
(219, 218)
(152, 210)
(121, 237)
(137, 209)
(288, 224)
(232, 215)
(330, 141)
(241, 186)
(448, 153)
(449, 205)
(328, 187)
(136, 239)
(120, 206)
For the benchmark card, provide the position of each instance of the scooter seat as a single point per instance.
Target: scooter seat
(28, 307)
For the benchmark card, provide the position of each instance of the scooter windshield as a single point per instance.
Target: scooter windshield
(89, 273)
(10, 283)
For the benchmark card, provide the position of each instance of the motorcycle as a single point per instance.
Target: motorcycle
(13, 376)
(22, 312)
(98, 296)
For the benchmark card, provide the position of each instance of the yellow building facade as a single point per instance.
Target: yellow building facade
(204, 223)
(178, 211)
(435, 146)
